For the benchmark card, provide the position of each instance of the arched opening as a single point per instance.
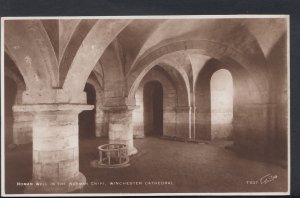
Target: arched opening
(153, 108)
(10, 96)
(221, 85)
(87, 118)
(175, 106)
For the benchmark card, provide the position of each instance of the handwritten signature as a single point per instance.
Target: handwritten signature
(267, 178)
(263, 180)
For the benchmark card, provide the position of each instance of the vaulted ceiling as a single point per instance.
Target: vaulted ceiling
(63, 52)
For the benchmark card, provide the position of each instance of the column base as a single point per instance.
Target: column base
(132, 150)
(69, 185)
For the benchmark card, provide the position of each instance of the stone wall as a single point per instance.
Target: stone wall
(182, 121)
(19, 125)
(22, 128)
(249, 137)
(169, 105)
(277, 63)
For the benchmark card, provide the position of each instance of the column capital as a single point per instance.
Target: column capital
(36, 108)
(50, 96)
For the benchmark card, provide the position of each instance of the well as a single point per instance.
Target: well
(113, 155)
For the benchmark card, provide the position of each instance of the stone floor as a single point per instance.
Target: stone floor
(189, 167)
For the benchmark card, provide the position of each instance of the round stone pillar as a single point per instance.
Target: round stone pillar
(120, 126)
(55, 147)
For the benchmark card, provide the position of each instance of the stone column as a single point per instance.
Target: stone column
(193, 121)
(138, 122)
(120, 126)
(138, 115)
(55, 147)
(183, 127)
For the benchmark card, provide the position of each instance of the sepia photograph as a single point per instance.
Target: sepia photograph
(140, 105)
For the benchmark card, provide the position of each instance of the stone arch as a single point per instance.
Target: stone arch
(175, 110)
(181, 81)
(12, 71)
(134, 83)
(94, 46)
(169, 103)
(111, 66)
(255, 66)
(248, 107)
(241, 82)
(37, 64)
(19, 83)
(81, 31)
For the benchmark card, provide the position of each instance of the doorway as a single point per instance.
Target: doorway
(153, 108)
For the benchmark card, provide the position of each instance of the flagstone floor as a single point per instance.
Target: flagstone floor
(162, 166)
